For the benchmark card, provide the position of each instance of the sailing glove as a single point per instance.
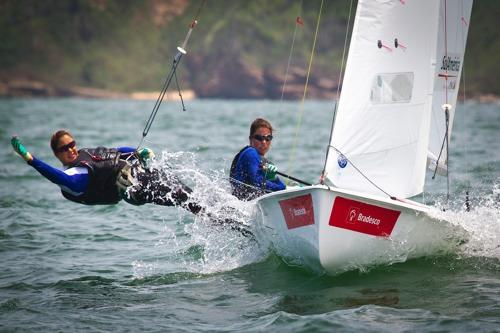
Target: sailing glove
(124, 179)
(145, 155)
(270, 171)
(20, 149)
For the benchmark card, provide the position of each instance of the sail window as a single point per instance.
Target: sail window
(392, 88)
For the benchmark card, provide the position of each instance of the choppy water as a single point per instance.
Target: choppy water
(67, 267)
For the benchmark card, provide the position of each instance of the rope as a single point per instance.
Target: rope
(172, 74)
(160, 98)
(301, 111)
(297, 23)
(364, 176)
(446, 49)
(447, 115)
(467, 163)
(323, 175)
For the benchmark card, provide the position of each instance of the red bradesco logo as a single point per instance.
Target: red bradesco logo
(362, 217)
(298, 211)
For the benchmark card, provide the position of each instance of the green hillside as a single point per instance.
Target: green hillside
(239, 49)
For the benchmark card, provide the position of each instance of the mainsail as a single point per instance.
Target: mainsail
(382, 131)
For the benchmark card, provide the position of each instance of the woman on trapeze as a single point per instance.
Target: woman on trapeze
(103, 176)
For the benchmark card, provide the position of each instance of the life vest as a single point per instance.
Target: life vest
(103, 165)
(241, 188)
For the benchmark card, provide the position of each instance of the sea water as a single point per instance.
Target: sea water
(68, 267)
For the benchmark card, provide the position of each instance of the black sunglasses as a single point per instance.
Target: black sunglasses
(66, 147)
(263, 137)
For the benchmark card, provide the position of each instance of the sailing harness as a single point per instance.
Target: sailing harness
(240, 189)
(104, 166)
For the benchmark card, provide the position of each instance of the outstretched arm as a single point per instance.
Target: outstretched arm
(20, 149)
(73, 179)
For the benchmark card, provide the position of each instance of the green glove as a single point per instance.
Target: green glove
(20, 149)
(144, 155)
(270, 171)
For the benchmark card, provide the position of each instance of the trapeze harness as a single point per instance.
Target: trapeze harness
(103, 165)
(244, 189)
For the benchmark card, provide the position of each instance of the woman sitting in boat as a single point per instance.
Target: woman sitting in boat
(251, 174)
(95, 176)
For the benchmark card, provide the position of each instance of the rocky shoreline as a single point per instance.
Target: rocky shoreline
(26, 88)
(32, 88)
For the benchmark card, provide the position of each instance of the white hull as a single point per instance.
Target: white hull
(339, 230)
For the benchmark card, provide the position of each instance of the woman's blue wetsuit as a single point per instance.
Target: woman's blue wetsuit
(72, 180)
(93, 181)
(248, 180)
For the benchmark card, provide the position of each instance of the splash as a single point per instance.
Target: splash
(210, 242)
(482, 224)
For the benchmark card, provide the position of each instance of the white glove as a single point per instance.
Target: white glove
(124, 179)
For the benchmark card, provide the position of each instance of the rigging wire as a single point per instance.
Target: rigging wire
(363, 175)
(179, 90)
(301, 111)
(446, 108)
(447, 114)
(181, 50)
(297, 23)
(467, 165)
(322, 177)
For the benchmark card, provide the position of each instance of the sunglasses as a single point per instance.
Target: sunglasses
(66, 147)
(261, 138)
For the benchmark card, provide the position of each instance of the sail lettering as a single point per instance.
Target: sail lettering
(450, 64)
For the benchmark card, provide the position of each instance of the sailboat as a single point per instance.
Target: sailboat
(391, 126)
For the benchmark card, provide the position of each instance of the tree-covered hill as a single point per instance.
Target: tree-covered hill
(240, 48)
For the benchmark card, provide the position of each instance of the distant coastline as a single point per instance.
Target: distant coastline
(26, 88)
(32, 88)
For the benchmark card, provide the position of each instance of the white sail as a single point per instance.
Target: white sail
(381, 131)
(454, 19)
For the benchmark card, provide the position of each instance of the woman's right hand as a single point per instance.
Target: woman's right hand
(20, 149)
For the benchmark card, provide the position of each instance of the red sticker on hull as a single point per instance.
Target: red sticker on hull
(363, 217)
(298, 211)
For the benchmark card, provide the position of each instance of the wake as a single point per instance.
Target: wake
(482, 224)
